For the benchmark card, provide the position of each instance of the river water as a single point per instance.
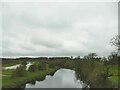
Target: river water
(63, 78)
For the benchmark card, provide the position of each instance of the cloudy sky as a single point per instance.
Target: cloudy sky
(58, 28)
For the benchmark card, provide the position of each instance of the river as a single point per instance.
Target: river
(63, 78)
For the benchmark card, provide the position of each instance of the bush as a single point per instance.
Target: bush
(32, 68)
(19, 72)
(24, 63)
(42, 66)
(52, 65)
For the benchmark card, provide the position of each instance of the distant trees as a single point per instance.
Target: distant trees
(78, 57)
(58, 58)
(113, 58)
(91, 56)
(113, 55)
(71, 57)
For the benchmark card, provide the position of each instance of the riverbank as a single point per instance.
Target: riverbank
(92, 72)
(8, 82)
(95, 73)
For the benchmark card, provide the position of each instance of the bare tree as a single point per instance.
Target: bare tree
(115, 41)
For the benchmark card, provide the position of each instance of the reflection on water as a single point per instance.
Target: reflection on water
(63, 78)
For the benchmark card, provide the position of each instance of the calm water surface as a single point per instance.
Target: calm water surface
(63, 78)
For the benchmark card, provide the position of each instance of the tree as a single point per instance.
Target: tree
(78, 57)
(19, 72)
(41, 66)
(112, 55)
(115, 41)
(113, 58)
(24, 63)
(32, 68)
(90, 56)
(71, 57)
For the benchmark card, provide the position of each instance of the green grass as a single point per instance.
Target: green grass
(12, 82)
(113, 70)
(114, 80)
(6, 72)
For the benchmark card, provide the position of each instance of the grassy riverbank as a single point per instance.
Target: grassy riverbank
(96, 73)
(114, 75)
(14, 82)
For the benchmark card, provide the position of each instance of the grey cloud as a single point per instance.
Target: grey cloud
(48, 23)
(58, 29)
(47, 42)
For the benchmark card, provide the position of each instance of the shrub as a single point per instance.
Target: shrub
(42, 66)
(24, 63)
(52, 65)
(19, 72)
(32, 68)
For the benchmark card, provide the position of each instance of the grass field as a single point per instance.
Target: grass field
(113, 70)
(114, 75)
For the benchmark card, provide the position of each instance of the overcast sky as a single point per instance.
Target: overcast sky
(58, 29)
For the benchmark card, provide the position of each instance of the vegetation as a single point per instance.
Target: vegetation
(7, 62)
(115, 41)
(19, 72)
(41, 66)
(24, 63)
(17, 82)
(17, 78)
(32, 68)
(91, 69)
